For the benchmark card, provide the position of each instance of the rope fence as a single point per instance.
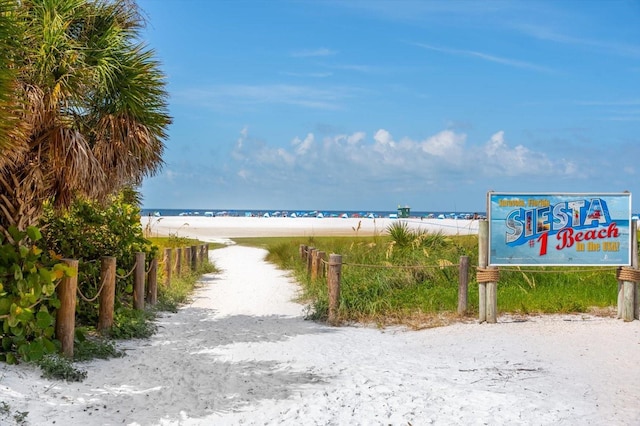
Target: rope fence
(144, 290)
(319, 266)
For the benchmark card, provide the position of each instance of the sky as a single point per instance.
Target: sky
(367, 105)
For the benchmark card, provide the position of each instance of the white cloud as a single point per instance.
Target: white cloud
(485, 56)
(446, 144)
(441, 159)
(305, 53)
(303, 146)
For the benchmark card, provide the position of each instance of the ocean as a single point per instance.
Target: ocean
(304, 213)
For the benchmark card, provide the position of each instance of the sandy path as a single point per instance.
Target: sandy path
(242, 353)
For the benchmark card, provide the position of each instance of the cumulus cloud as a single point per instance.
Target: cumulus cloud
(445, 144)
(445, 158)
(302, 146)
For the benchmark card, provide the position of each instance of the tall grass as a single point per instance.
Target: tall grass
(411, 277)
(182, 286)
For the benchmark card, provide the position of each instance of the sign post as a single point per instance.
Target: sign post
(574, 229)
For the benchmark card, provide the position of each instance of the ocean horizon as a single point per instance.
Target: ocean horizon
(306, 213)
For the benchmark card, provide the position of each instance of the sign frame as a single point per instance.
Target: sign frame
(559, 229)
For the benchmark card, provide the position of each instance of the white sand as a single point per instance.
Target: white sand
(234, 227)
(242, 353)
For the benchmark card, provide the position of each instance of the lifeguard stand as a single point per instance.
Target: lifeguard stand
(404, 212)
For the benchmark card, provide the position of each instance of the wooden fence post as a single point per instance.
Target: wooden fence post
(206, 251)
(322, 258)
(333, 282)
(138, 282)
(187, 258)
(303, 252)
(629, 305)
(194, 258)
(179, 261)
(167, 267)
(203, 254)
(314, 265)
(152, 282)
(463, 284)
(66, 315)
(310, 255)
(108, 293)
(483, 241)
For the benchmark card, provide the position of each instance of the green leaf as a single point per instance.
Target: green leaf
(43, 320)
(34, 233)
(5, 305)
(15, 233)
(11, 359)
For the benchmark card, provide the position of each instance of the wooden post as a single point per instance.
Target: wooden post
(634, 265)
(138, 282)
(66, 315)
(492, 302)
(108, 293)
(303, 252)
(167, 267)
(187, 257)
(206, 251)
(483, 241)
(203, 254)
(620, 297)
(463, 284)
(322, 258)
(310, 255)
(179, 261)
(152, 283)
(629, 288)
(314, 265)
(333, 282)
(194, 258)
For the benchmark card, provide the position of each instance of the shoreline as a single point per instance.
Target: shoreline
(212, 228)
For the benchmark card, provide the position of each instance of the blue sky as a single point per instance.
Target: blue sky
(364, 105)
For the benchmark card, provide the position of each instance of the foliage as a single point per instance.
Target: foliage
(27, 297)
(412, 278)
(90, 230)
(92, 347)
(55, 366)
(90, 98)
(132, 324)
(19, 417)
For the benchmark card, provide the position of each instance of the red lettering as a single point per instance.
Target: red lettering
(566, 238)
(590, 235)
(542, 239)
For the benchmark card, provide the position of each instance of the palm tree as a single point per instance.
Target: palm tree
(9, 118)
(94, 106)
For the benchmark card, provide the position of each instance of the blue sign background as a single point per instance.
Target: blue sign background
(559, 229)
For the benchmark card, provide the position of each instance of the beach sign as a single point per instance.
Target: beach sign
(559, 229)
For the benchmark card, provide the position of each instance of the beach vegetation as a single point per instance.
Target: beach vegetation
(90, 230)
(182, 285)
(82, 106)
(411, 277)
(27, 297)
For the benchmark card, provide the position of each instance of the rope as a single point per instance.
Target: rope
(85, 298)
(628, 274)
(555, 271)
(487, 275)
(122, 277)
(362, 265)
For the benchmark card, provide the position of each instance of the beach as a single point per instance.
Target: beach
(207, 228)
(242, 352)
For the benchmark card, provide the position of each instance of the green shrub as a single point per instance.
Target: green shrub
(27, 297)
(91, 230)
